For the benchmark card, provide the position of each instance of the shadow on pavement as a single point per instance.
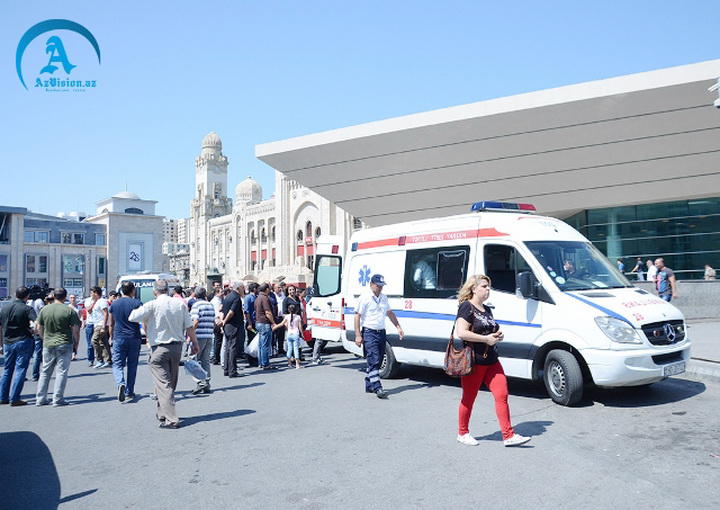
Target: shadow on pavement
(409, 387)
(188, 393)
(526, 428)
(663, 392)
(89, 399)
(30, 479)
(192, 420)
(89, 374)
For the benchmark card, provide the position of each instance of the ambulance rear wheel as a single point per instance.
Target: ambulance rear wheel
(563, 378)
(389, 368)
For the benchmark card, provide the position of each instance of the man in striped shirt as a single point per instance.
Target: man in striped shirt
(203, 318)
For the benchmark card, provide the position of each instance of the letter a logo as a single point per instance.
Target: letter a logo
(57, 54)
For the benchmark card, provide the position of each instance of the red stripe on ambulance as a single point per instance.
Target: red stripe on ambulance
(431, 238)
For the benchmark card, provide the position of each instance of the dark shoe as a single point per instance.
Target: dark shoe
(4, 402)
(381, 394)
(121, 393)
(18, 403)
(226, 374)
(234, 375)
(129, 398)
(169, 425)
(182, 362)
(206, 389)
(197, 390)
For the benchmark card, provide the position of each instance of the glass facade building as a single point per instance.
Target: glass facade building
(685, 233)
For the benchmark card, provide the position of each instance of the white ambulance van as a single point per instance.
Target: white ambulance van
(569, 316)
(144, 283)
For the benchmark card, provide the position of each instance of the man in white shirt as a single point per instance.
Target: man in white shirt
(98, 314)
(370, 316)
(167, 322)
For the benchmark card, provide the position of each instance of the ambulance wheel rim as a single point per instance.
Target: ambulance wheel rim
(556, 378)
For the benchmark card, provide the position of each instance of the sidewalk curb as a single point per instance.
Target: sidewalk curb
(704, 370)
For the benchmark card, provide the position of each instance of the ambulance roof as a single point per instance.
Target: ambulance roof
(482, 225)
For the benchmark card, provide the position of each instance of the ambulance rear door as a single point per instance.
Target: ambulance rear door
(325, 310)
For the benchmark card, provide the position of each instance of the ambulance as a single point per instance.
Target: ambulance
(570, 318)
(145, 283)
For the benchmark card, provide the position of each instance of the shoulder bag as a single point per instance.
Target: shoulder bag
(458, 362)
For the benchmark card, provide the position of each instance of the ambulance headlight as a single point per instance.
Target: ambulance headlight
(617, 330)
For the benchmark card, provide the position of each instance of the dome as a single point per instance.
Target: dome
(248, 191)
(212, 140)
(126, 194)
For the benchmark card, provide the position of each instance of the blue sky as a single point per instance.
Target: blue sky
(260, 71)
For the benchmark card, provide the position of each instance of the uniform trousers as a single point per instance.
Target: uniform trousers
(374, 349)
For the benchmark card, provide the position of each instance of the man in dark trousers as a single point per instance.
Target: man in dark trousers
(126, 340)
(234, 328)
(249, 308)
(370, 315)
(16, 342)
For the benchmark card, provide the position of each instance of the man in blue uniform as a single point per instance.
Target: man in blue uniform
(370, 316)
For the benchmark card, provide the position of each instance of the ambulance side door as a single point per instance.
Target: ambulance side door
(519, 318)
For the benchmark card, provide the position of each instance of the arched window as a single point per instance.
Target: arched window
(272, 233)
(299, 236)
(263, 236)
(317, 232)
(308, 229)
(133, 210)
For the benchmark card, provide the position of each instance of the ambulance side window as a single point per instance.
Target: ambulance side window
(327, 275)
(435, 272)
(502, 264)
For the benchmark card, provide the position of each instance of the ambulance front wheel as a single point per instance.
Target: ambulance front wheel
(389, 368)
(563, 377)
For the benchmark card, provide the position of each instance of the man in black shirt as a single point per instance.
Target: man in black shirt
(234, 328)
(16, 341)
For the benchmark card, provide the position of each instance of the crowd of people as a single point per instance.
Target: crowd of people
(209, 326)
(218, 327)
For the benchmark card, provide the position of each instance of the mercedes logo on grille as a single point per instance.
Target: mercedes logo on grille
(669, 332)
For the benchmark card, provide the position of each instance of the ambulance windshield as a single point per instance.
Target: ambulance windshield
(574, 265)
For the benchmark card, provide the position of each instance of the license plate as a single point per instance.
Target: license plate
(674, 369)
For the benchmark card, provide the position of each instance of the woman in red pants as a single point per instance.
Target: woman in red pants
(475, 324)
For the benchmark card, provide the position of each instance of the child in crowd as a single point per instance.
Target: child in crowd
(293, 322)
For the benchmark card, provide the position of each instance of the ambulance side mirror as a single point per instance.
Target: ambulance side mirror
(530, 288)
(527, 285)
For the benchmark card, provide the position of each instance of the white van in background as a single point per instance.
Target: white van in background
(569, 316)
(144, 283)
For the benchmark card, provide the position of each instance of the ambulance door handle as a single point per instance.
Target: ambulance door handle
(329, 303)
(316, 308)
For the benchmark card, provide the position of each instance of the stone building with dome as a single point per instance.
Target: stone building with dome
(250, 238)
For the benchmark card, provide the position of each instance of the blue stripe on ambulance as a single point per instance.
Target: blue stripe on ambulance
(412, 314)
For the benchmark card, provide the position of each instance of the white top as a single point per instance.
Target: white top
(167, 319)
(294, 325)
(372, 310)
(217, 303)
(651, 273)
(96, 317)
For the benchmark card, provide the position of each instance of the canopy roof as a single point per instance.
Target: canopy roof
(641, 138)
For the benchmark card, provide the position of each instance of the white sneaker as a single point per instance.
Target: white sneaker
(467, 439)
(516, 440)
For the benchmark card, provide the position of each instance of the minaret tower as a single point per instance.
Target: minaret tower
(210, 201)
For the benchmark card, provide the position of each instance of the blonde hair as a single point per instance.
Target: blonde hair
(466, 291)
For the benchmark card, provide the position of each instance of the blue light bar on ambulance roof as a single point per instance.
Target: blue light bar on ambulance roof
(487, 205)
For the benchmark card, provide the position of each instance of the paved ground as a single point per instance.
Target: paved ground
(312, 439)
